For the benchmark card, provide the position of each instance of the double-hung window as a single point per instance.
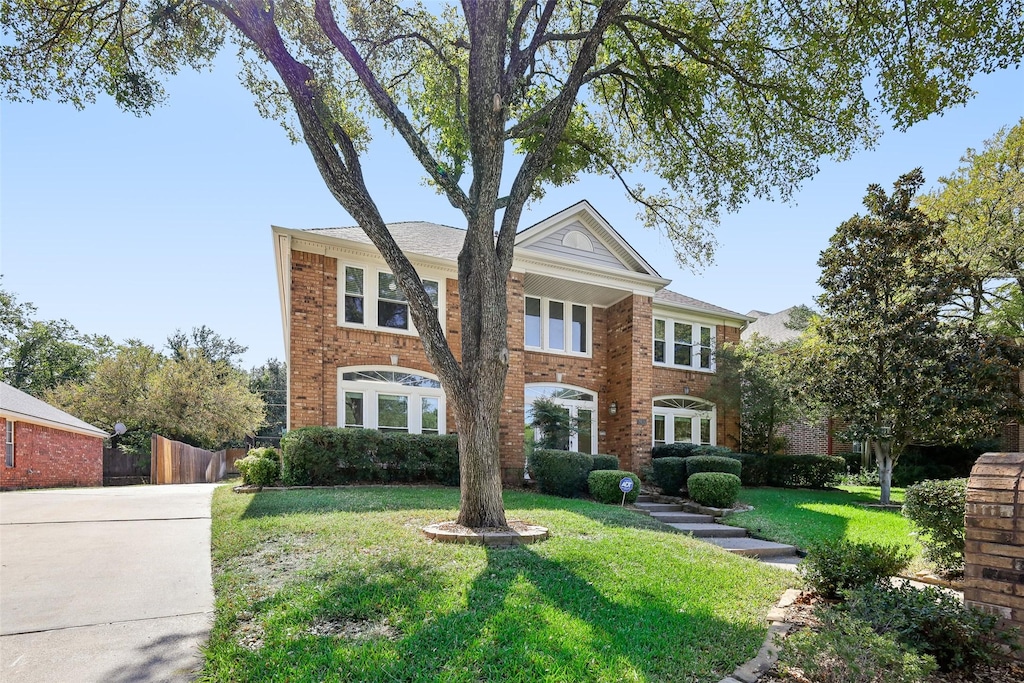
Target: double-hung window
(394, 400)
(373, 298)
(683, 344)
(557, 326)
(9, 451)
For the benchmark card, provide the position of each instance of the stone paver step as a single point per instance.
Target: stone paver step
(710, 531)
(753, 547)
(682, 518)
(648, 508)
(644, 498)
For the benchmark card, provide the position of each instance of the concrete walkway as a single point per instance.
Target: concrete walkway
(105, 584)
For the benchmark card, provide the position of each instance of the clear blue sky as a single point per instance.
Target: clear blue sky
(134, 227)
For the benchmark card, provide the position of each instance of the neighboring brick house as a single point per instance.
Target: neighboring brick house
(46, 447)
(591, 327)
(806, 436)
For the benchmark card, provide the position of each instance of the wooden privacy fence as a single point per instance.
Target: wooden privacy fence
(178, 463)
(120, 468)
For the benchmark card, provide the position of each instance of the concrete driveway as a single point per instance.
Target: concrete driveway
(105, 584)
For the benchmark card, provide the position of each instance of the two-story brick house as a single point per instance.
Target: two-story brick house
(591, 327)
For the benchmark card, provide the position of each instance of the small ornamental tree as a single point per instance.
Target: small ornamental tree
(883, 357)
(713, 101)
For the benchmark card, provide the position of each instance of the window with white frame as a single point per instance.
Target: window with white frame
(9, 451)
(580, 406)
(373, 298)
(391, 400)
(683, 344)
(680, 419)
(557, 326)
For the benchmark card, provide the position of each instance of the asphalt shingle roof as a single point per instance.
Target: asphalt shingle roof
(415, 237)
(670, 297)
(772, 326)
(16, 403)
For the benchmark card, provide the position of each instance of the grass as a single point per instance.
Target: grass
(611, 596)
(802, 517)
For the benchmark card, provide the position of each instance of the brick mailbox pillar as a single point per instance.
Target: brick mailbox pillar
(994, 556)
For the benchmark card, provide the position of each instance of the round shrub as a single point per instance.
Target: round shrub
(604, 486)
(937, 509)
(258, 471)
(837, 565)
(712, 463)
(673, 450)
(714, 489)
(669, 474)
(560, 473)
(605, 462)
(268, 453)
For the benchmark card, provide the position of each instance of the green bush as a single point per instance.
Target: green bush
(712, 463)
(560, 473)
(605, 462)
(328, 456)
(673, 450)
(268, 453)
(846, 650)
(257, 470)
(714, 489)
(933, 622)
(790, 471)
(706, 450)
(669, 474)
(604, 486)
(937, 508)
(837, 565)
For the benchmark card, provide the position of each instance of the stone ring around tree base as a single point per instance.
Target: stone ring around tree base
(516, 533)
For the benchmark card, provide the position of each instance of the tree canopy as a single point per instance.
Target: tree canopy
(884, 356)
(714, 101)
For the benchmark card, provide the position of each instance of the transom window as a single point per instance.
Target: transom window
(382, 301)
(678, 419)
(578, 404)
(557, 326)
(391, 401)
(683, 344)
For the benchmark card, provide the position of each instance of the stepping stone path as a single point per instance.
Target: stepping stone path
(704, 527)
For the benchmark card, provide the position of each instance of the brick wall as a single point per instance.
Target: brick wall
(512, 408)
(47, 457)
(630, 374)
(994, 545)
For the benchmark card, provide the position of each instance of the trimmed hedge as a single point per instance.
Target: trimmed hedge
(714, 489)
(790, 471)
(673, 450)
(720, 451)
(560, 473)
(937, 509)
(836, 565)
(669, 474)
(328, 456)
(605, 462)
(604, 486)
(260, 467)
(712, 463)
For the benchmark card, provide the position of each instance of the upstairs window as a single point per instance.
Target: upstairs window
(557, 326)
(683, 344)
(384, 304)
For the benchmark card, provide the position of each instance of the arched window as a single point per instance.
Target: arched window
(581, 406)
(574, 239)
(681, 419)
(391, 400)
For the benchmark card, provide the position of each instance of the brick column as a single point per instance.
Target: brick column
(512, 409)
(994, 549)
(630, 373)
(306, 364)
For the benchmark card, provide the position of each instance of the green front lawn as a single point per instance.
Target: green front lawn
(803, 517)
(340, 585)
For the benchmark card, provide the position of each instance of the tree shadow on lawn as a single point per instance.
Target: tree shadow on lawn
(524, 617)
(377, 498)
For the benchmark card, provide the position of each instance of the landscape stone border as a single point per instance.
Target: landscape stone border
(528, 534)
(757, 667)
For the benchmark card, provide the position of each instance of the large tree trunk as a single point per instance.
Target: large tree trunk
(883, 454)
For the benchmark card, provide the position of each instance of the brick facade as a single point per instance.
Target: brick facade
(45, 457)
(619, 369)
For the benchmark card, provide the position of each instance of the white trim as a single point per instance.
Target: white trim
(545, 322)
(12, 415)
(371, 297)
(574, 406)
(695, 345)
(660, 308)
(371, 392)
(693, 414)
